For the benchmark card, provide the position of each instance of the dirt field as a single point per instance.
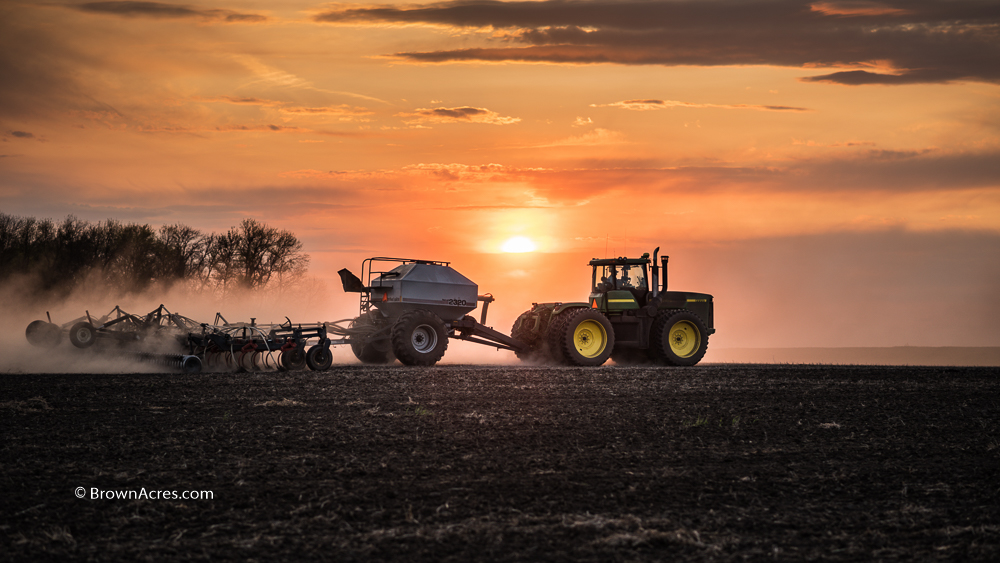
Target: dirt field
(456, 463)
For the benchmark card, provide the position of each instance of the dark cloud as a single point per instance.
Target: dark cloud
(163, 10)
(22, 134)
(922, 41)
(457, 113)
(466, 114)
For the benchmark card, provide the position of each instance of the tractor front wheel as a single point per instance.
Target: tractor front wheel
(586, 337)
(419, 338)
(678, 338)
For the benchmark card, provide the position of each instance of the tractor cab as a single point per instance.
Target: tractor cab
(620, 283)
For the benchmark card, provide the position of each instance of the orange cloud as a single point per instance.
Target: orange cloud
(646, 105)
(856, 8)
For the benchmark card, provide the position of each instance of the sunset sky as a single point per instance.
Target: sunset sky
(830, 171)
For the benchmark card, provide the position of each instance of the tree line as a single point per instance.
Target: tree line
(131, 258)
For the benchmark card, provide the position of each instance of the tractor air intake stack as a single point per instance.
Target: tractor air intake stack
(663, 272)
(656, 275)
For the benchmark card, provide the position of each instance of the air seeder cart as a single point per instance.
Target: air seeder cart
(409, 311)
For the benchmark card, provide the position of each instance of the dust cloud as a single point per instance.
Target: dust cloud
(304, 302)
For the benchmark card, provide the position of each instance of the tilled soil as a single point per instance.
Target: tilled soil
(460, 463)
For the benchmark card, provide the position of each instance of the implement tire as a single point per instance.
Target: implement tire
(83, 335)
(419, 338)
(319, 358)
(678, 338)
(585, 337)
(293, 360)
(43, 334)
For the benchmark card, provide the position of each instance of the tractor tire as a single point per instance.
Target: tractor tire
(319, 358)
(586, 337)
(538, 352)
(678, 338)
(630, 356)
(419, 338)
(43, 334)
(293, 360)
(371, 351)
(83, 335)
(554, 337)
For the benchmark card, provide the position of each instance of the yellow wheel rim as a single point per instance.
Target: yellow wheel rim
(590, 338)
(684, 339)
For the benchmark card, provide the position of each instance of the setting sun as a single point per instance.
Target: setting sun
(518, 244)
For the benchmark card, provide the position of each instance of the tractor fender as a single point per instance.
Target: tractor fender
(560, 307)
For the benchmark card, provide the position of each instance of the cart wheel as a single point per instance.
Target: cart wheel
(371, 351)
(294, 359)
(319, 358)
(43, 334)
(83, 335)
(419, 338)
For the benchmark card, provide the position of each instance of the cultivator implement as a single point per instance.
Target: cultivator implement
(174, 341)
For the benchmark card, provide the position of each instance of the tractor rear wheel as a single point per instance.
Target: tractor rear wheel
(585, 336)
(43, 334)
(83, 334)
(678, 338)
(419, 338)
(526, 334)
(319, 358)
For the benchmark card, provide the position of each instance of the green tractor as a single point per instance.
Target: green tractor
(629, 318)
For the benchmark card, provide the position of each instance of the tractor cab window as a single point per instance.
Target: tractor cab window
(633, 277)
(622, 276)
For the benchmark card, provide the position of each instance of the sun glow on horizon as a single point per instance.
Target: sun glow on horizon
(518, 244)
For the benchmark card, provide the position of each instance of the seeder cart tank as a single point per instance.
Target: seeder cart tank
(410, 311)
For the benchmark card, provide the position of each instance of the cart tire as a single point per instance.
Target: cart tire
(319, 358)
(419, 338)
(83, 335)
(371, 352)
(294, 359)
(586, 336)
(678, 338)
(43, 334)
